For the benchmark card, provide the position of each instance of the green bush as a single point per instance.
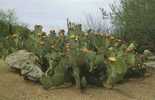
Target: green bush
(134, 21)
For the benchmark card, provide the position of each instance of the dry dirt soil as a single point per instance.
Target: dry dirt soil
(14, 87)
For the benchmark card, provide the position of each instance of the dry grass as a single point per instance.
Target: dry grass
(13, 87)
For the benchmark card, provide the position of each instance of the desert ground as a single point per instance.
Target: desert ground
(14, 87)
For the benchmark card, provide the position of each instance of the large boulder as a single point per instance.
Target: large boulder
(26, 63)
(17, 59)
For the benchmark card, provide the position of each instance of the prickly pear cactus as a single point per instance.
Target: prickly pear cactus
(116, 70)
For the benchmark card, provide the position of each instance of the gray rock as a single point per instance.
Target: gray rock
(151, 58)
(27, 63)
(150, 64)
(147, 53)
(31, 71)
(16, 59)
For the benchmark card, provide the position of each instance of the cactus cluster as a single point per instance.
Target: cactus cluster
(83, 58)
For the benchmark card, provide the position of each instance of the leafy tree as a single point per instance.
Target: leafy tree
(13, 35)
(7, 19)
(134, 20)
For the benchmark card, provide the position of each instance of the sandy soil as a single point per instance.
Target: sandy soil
(13, 87)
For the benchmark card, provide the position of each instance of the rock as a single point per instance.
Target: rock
(27, 63)
(31, 71)
(16, 59)
(147, 53)
(151, 58)
(150, 64)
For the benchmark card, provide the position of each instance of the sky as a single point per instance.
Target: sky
(52, 14)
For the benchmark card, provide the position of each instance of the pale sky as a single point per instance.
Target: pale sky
(53, 13)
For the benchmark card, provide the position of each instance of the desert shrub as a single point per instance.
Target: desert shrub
(134, 21)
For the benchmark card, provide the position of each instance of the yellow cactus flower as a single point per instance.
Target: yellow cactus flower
(44, 36)
(128, 50)
(67, 45)
(41, 43)
(119, 40)
(112, 59)
(77, 38)
(110, 48)
(39, 34)
(52, 46)
(14, 35)
(72, 36)
(85, 50)
(112, 38)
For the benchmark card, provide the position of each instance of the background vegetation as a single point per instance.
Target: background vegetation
(134, 20)
(10, 29)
